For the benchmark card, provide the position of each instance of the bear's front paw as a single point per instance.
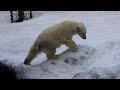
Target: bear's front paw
(53, 57)
(27, 63)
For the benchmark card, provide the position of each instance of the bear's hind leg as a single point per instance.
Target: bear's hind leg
(51, 54)
(31, 55)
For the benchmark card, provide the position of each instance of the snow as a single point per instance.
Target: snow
(103, 38)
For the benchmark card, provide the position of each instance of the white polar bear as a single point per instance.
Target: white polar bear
(53, 37)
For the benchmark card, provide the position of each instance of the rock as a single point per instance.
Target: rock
(95, 73)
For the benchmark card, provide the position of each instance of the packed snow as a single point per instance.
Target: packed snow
(99, 53)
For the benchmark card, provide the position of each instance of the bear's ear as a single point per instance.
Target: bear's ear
(81, 22)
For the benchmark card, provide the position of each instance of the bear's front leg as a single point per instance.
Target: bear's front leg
(71, 44)
(51, 54)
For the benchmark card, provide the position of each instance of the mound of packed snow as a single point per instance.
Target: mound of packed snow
(76, 65)
(105, 64)
(107, 54)
(95, 73)
(67, 65)
(99, 73)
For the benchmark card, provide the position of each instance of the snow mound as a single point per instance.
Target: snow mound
(65, 67)
(106, 59)
(101, 62)
(107, 54)
(95, 73)
(99, 73)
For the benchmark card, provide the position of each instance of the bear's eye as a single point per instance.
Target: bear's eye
(78, 29)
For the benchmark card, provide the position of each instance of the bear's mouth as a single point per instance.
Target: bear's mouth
(83, 36)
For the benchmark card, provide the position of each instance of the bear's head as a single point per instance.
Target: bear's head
(80, 29)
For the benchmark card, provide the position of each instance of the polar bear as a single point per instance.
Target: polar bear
(53, 37)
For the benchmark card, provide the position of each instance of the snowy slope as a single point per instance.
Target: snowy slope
(103, 34)
(66, 66)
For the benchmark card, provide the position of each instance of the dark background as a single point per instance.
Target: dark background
(60, 5)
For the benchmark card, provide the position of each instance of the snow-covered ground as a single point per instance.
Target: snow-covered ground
(103, 35)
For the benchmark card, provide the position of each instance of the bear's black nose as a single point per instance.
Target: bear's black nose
(84, 38)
